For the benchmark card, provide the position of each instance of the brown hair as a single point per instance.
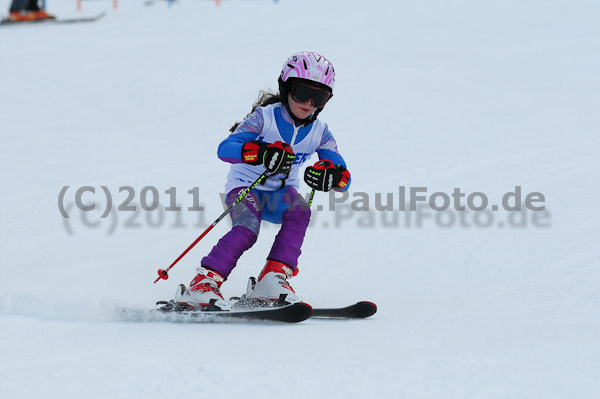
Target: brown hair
(265, 97)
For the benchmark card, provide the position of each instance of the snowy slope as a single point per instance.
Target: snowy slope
(483, 96)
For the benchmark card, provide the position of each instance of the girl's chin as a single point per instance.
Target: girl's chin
(302, 115)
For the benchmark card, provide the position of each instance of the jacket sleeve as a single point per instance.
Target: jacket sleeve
(328, 150)
(230, 149)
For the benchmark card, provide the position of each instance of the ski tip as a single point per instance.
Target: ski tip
(364, 309)
(301, 312)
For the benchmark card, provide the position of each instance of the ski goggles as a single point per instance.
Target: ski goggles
(302, 93)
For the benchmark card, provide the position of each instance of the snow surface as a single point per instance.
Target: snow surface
(480, 95)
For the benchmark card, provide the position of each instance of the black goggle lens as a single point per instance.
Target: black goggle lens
(303, 93)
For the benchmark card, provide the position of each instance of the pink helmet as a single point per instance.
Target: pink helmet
(309, 66)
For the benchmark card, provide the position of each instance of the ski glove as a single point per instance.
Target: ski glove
(277, 157)
(324, 176)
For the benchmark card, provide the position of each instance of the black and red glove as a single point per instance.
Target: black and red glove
(277, 157)
(324, 176)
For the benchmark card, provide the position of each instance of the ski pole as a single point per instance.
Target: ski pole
(164, 274)
(310, 199)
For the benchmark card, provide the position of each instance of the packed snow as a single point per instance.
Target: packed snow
(478, 95)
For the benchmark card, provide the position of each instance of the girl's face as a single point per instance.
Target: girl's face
(301, 110)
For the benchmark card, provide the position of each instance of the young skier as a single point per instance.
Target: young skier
(278, 136)
(27, 10)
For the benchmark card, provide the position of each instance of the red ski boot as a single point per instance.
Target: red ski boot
(204, 293)
(273, 285)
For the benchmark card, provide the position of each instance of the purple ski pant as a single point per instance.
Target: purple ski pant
(283, 206)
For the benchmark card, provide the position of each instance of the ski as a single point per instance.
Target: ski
(359, 310)
(293, 313)
(55, 21)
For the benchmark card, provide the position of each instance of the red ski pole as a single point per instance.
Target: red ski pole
(164, 274)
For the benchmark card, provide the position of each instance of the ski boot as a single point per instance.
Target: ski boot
(204, 293)
(272, 286)
(18, 16)
(27, 15)
(42, 14)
